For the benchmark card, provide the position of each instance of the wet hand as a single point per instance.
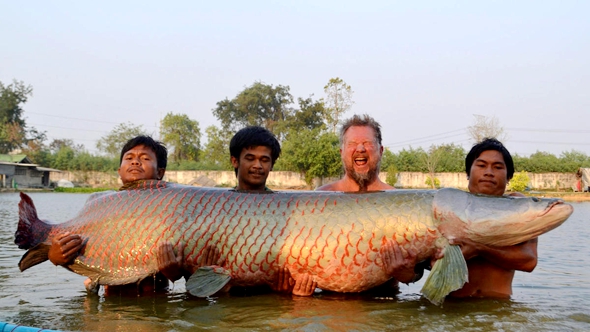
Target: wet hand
(469, 248)
(283, 282)
(64, 248)
(305, 285)
(211, 256)
(169, 264)
(398, 265)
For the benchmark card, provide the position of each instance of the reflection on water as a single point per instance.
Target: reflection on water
(555, 296)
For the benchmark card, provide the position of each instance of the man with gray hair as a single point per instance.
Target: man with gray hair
(361, 151)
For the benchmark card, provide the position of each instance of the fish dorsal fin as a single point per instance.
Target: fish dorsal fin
(145, 184)
(207, 280)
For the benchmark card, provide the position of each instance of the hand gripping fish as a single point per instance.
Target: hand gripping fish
(335, 237)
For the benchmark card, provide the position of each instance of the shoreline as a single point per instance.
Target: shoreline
(566, 196)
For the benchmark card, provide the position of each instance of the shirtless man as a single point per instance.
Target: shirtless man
(253, 153)
(142, 158)
(361, 152)
(489, 167)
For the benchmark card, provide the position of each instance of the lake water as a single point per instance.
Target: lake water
(554, 297)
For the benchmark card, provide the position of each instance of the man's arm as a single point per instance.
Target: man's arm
(521, 257)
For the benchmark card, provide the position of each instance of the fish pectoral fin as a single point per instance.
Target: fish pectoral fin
(207, 281)
(36, 255)
(448, 274)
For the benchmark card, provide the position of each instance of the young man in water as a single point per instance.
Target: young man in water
(253, 153)
(361, 152)
(142, 158)
(489, 167)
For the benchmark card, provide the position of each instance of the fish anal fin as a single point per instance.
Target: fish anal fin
(207, 281)
(36, 255)
(448, 274)
(103, 277)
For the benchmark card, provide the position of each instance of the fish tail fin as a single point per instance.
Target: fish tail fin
(36, 255)
(207, 280)
(448, 274)
(31, 230)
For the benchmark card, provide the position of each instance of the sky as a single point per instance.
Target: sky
(423, 69)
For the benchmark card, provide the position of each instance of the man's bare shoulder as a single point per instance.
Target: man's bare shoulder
(339, 185)
(379, 185)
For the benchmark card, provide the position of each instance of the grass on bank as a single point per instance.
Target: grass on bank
(82, 190)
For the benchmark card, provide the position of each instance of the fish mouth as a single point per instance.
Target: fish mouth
(550, 206)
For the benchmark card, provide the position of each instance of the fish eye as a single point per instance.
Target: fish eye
(535, 199)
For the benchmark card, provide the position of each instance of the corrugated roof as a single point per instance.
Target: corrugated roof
(14, 158)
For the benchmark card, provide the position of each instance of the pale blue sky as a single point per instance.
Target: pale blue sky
(422, 69)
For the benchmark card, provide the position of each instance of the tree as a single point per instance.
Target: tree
(310, 115)
(431, 160)
(35, 148)
(387, 160)
(313, 153)
(64, 159)
(543, 162)
(338, 101)
(112, 143)
(257, 105)
(391, 178)
(13, 130)
(181, 135)
(571, 161)
(411, 160)
(216, 151)
(58, 144)
(486, 127)
(452, 158)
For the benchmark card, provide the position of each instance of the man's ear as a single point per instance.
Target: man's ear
(235, 163)
(161, 172)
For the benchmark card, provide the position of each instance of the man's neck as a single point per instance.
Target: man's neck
(242, 187)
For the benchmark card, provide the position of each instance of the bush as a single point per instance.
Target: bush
(428, 182)
(391, 178)
(520, 181)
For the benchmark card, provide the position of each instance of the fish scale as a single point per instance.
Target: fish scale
(335, 237)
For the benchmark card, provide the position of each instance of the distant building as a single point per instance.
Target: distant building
(17, 171)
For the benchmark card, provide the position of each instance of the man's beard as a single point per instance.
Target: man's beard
(363, 179)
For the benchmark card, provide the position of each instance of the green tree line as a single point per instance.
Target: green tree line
(304, 126)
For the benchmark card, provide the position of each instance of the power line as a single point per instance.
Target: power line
(70, 118)
(80, 119)
(566, 131)
(423, 140)
(44, 125)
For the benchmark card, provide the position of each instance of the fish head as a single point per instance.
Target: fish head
(497, 220)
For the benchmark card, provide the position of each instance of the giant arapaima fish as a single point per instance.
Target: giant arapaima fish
(335, 237)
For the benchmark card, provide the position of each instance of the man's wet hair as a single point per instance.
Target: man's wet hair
(253, 136)
(156, 146)
(361, 120)
(485, 145)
